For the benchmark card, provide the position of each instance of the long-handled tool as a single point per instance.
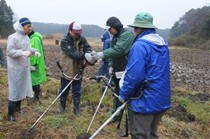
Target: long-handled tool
(100, 99)
(119, 109)
(109, 119)
(72, 79)
(52, 103)
(120, 132)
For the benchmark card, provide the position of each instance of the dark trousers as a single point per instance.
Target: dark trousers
(76, 90)
(116, 102)
(145, 126)
(3, 64)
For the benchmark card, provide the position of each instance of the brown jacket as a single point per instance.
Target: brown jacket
(72, 54)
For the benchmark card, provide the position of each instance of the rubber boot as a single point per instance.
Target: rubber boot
(36, 96)
(18, 105)
(62, 106)
(37, 90)
(76, 107)
(11, 111)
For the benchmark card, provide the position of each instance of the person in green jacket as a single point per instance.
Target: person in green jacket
(118, 53)
(38, 68)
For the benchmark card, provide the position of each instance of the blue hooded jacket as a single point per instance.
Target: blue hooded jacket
(148, 60)
(105, 38)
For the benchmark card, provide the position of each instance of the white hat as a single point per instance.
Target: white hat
(75, 27)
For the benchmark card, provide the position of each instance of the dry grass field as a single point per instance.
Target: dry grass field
(189, 116)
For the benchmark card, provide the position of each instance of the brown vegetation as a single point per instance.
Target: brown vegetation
(189, 116)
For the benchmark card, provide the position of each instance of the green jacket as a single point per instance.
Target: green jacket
(119, 50)
(38, 76)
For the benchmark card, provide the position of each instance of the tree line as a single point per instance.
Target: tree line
(192, 29)
(6, 26)
(6, 19)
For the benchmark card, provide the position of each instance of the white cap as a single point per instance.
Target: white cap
(75, 27)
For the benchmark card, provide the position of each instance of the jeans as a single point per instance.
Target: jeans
(104, 69)
(76, 89)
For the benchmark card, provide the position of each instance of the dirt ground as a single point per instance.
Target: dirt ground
(189, 71)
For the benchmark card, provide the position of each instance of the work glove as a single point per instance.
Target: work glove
(26, 53)
(89, 58)
(97, 55)
(33, 68)
(121, 99)
(111, 69)
(37, 54)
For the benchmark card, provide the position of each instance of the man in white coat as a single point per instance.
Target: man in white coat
(18, 63)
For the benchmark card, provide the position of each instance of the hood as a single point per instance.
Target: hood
(18, 27)
(151, 36)
(115, 23)
(154, 38)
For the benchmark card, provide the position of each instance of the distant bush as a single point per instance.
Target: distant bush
(53, 36)
(190, 41)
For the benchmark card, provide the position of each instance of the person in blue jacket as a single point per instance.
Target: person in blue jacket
(104, 68)
(147, 73)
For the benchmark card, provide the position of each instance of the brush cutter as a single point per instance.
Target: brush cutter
(100, 99)
(71, 80)
(107, 83)
(120, 132)
(86, 135)
(120, 108)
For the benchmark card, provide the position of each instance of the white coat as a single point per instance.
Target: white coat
(19, 78)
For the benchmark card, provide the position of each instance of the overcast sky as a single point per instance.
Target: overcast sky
(165, 12)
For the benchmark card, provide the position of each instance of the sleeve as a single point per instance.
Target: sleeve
(11, 51)
(87, 47)
(71, 51)
(135, 66)
(120, 48)
(103, 37)
(36, 45)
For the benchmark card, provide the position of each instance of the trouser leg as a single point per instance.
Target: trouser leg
(116, 102)
(155, 124)
(106, 69)
(100, 72)
(76, 93)
(63, 84)
(145, 126)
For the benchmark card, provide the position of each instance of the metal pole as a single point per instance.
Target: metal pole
(52, 103)
(110, 118)
(99, 105)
